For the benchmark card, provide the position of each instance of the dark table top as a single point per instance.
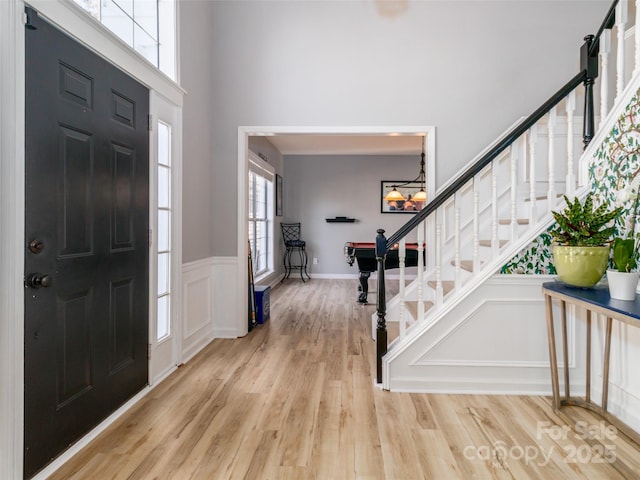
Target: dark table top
(372, 245)
(597, 296)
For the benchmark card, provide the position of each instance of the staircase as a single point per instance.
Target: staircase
(502, 199)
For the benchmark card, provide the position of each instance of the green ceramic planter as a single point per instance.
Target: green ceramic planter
(580, 266)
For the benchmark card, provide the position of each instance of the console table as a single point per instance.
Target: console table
(596, 300)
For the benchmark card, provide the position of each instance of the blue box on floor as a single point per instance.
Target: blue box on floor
(262, 303)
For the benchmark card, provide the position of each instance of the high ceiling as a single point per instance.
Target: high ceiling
(320, 144)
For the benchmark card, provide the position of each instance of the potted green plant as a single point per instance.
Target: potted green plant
(623, 281)
(582, 236)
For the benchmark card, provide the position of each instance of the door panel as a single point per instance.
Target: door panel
(86, 225)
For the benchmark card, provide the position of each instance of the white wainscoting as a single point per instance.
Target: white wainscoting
(209, 303)
(197, 306)
(492, 342)
(226, 308)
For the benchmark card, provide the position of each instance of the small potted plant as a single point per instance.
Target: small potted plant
(582, 236)
(623, 281)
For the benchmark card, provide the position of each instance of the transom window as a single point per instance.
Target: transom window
(148, 26)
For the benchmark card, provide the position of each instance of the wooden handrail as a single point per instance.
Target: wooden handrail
(508, 139)
(607, 23)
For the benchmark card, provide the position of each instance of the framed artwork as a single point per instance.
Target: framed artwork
(278, 195)
(408, 189)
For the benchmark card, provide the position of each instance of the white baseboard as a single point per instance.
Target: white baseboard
(354, 276)
(328, 276)
(474, 387)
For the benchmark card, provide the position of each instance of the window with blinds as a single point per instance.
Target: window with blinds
(260, 207)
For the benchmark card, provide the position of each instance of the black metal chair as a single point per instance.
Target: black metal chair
(293, 243)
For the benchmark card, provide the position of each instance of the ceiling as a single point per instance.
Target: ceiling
(324, 144)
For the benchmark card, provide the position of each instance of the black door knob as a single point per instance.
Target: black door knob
(38, 280)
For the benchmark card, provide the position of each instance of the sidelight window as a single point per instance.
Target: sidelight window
(164, 232)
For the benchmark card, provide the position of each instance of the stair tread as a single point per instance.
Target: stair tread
(543, 197)
(519, 221)
(412, 306)
(465, 264)
(487, 243)
(447, 285)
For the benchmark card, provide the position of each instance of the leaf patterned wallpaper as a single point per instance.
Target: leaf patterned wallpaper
(612, 168)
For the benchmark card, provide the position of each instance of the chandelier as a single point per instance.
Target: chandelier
(421, 196)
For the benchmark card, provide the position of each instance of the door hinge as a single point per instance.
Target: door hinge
(28, 15)
(149, 351)
(149, 237)
(150, 122)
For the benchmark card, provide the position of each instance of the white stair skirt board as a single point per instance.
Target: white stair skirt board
(493, 341)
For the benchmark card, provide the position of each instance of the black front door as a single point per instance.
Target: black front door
(86, 252)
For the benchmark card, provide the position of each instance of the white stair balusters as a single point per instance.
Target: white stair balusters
(533, 137)
(402, 313)
(551, 160)
(570, 179)
(421, 277)
(495, 245)
(457, 259)
(476, 230)
(439, 292)
(513, 178)
(621, 21)
(605, 49)
(636, 33)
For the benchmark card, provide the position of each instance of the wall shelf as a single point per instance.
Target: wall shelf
(340, 220)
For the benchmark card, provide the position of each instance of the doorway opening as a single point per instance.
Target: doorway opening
(317, 133)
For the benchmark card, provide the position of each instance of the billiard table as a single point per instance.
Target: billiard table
(365, 254)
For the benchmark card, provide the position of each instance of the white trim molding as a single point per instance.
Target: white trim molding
(244, 132)
(12, 234)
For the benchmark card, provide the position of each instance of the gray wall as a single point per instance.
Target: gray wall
(196, 70)
(319, 187)
(470, 68)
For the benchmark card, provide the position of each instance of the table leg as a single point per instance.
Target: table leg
(304, 264)
(302, 256)
(553, 360)
(565, 351)
(286, 260)
(605, 367)
(364, 286)
(588, 366)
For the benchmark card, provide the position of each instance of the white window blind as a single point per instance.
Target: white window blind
(260, 207)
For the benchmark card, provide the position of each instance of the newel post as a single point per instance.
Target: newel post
(381, 304)
(588, 64)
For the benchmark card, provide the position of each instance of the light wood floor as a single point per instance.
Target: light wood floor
(295, 399)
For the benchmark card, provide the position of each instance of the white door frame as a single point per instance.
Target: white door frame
(165, 356)
(12, 234)
(243, 171)
(72, 19)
